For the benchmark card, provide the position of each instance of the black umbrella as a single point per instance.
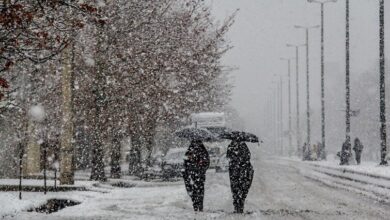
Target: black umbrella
(218, 131)
(240, 136)
(196, 134)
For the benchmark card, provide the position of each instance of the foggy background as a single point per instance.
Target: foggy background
(259, 37)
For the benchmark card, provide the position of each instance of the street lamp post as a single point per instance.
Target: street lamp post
(289, 103)
(276, 116)
(308, 141)
(322, 3)
(281, 115)
(346, 149)
(382, 81)
(297, 93)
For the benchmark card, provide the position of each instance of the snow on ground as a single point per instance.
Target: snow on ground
(367, 167)
(12, 207)
(159, 200)
(280, 190)
(49, 182)
(146, 200)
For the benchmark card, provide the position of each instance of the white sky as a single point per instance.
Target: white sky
(262, 29)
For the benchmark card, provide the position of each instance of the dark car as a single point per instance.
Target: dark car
(173, 163)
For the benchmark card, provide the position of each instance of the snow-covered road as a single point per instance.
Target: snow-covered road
(279, 191)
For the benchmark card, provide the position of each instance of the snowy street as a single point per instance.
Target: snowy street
(194, 109)
(279, 191)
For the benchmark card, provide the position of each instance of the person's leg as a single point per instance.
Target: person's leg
(247, 182)
(234, 186)
(195, 203)
(358, 157)
(192, 189)
(200, 191)
(187, 182)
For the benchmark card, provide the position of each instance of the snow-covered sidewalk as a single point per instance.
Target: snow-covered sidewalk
(146, 200)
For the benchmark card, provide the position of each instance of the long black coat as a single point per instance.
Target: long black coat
(358, 146)
(197, 158)
(239, 155)
(240, 172)
(196, 163)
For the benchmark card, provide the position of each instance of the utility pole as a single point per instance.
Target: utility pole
(322, 3)
(289, 105)
(345, 151)
(382, 88)
(275, 118)
(308, 132)
(281, 115)
(298, 135)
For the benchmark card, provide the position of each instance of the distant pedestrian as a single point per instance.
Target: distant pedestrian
(345, 152)
(196, 163)
(314, 154)
(321, 151)
(240, 172)
(358, 148)
(306, 152)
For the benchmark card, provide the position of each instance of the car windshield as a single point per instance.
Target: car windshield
(214, 151)
(176, 155)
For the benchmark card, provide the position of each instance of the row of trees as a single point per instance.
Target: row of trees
(114, 69)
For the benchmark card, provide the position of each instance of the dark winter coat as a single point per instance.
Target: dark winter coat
(196, 163)
(239, 155)
(345, 153)
(358, 146)
(197, 157)
(240, 172)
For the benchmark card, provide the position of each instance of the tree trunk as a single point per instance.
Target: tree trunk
(116, 158)
(148, 148)
(32, 166)
(97, 172)
(97, 163)
(66, 152)
(135, 155)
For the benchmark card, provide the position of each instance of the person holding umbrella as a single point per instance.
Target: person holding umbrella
(240, 168)
(196, 163)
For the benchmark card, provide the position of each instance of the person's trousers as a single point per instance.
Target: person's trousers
(194, 183)
(240, 182)
(358, 157)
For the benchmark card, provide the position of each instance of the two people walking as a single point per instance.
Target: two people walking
(346, 152)
(197, 162)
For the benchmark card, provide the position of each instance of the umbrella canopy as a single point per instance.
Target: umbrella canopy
(218, 131)
(240, 136)
(196, 134)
